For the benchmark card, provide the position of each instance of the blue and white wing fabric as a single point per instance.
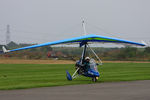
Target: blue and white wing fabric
(86, 38)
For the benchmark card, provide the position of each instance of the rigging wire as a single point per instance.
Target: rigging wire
(103, 30)
(71, 28)
(95, 55)
(32, 32)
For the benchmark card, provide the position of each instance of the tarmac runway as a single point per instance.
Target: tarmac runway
(133, 90)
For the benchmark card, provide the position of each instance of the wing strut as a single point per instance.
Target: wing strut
(95, 55)
(83, 53)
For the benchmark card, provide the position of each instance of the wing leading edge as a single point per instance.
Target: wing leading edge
(87, 38)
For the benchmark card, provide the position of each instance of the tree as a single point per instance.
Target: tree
(147, 50)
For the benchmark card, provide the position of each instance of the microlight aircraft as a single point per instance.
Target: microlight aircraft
(84, 42)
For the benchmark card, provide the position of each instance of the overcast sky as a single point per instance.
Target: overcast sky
(38, 21)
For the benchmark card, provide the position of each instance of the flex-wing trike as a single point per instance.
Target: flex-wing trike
(83, 41)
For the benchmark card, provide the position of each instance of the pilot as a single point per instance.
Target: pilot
(87, 64)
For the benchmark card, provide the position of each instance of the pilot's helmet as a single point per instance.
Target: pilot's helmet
(87, 58)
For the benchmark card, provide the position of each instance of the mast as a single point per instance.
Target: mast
(83, 26)
(85, 44)
(84, 52)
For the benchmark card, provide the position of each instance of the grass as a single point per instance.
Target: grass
(20, 76)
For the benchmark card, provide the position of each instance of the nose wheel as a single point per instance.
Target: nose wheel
(94, 79)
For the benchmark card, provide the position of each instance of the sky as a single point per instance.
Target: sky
(39, 21)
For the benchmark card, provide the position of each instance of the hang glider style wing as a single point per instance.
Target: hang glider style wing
(86, 38)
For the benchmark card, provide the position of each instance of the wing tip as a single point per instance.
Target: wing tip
(144, 43)
(5, 50)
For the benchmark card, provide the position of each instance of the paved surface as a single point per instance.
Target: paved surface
(135, 90)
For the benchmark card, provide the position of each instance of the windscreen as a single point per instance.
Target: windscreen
(93, 65)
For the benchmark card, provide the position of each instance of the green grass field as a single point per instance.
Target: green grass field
(19, 76)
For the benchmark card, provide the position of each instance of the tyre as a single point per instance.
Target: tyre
(94, 79)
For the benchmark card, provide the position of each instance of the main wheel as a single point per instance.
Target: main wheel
(94, 79)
